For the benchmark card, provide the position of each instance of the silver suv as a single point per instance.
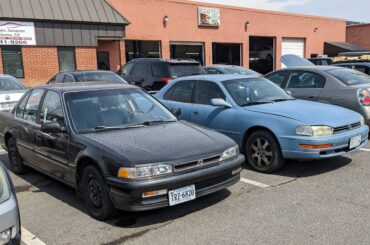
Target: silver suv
(10, 232)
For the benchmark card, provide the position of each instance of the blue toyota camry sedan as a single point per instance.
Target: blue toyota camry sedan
(269, 125)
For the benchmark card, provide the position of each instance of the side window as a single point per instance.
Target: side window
(206, 91)
(300, 79)
(32, 106)
(138, 70)
(126, 69)
(277, 78)
(363, 69)
(20, 109)
(181, 92)
(51, 110)
(160, 69)
(212, 71)
(69, 79)
(59, 78)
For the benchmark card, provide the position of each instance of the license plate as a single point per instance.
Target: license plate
(355, 141)
(181, 195)
(7, 106)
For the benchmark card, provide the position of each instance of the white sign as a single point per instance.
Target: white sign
(17, 33)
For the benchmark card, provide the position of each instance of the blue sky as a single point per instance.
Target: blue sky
(355, 10)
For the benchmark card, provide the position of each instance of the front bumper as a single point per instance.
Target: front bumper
(290, 145)
(127, 195)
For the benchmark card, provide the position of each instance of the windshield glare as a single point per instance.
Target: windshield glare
(240, 70)
(10, 84)
(93, 110)
(99, 77)
(246, 91)
(349, 76)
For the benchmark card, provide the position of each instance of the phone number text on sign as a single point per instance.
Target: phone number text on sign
(17, 33)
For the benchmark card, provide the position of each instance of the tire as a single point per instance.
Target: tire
(263, 152)
(95, 194)
(15, 159)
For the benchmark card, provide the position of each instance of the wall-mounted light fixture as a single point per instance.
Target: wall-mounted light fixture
(246, 25)
(316, 29)
(165, 19)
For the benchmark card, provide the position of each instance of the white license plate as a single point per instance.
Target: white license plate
(7, 106)
(181, 195)
(355, 141)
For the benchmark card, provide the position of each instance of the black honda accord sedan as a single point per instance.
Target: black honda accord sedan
(119, 147)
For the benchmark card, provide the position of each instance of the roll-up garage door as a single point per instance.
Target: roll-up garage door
(293, 46)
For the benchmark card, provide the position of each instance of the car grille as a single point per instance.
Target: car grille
(347, 128)
(196, 164)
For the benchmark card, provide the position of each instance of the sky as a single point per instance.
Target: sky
(353, 10)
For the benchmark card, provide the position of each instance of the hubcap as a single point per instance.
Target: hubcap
(261, 153)
(95, 193)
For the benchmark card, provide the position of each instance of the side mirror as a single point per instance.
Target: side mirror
(52, 128)
(176, 111)
(289, 92)
(220, 103)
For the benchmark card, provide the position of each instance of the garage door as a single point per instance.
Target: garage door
(293, 46)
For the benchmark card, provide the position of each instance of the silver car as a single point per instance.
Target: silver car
(11, 90)
(10, 232)
(327, 84)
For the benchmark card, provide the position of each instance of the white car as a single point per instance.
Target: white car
(11, 90)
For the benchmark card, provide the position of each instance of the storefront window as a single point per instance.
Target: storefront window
(12, 61)
(142, 49)
(226, 54)
(187, 51)
(66, 59)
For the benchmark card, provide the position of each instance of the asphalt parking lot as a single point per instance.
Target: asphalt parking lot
(320, 202)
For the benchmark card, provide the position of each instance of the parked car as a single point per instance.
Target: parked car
(268, 124)
(87, 76)
(230, 69)
(328, 84)
(321, 61)
(153, 74)
(11, 90)
(106, 140)
(10, 225)
(359, 66)
(262, 53)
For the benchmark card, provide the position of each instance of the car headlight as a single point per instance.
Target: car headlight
(5, 236)
(229, 153)
(144, 171)
(4, 187)
(362, 121)
(314, 130)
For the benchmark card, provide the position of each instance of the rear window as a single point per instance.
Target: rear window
(99, 77)
(160, 69)
(183, 70)
(10, 84)
(349, 76)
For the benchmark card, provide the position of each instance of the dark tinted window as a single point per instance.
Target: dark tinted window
(160, 69)
(183, 70)
(20, 109)
(350, 77)
(212, 71)
(181, 92)
(9, 84)
(138, 69)
(59, 78)
(12, 61)
(364, 69)
(277, 78)
(66, 59)
(301, 79)
(99, 77)
(126, 69)
(52, 109)
(206, 91)
(30, 112)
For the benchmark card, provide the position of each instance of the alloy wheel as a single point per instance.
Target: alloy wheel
(262, 152)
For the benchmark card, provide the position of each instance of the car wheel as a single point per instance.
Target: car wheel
(15, 159)
(263, 152)
(95, 194)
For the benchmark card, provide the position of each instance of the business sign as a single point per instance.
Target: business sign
(209, 16)
(17, 33)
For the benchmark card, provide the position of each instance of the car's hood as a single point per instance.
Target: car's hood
(291, 60)
(176, 142)
(310, 113)
(11, 96)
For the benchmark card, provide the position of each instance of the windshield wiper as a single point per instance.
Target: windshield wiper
(117, 127)
(256, 103)
(148, 123)
(281, 100)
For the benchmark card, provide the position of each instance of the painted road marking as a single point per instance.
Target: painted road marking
(255, 183)
(364, 149)
(30, 239)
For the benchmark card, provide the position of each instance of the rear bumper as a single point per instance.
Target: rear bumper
(127, 195)
(340, 145)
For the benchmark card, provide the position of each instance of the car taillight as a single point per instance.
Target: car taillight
(166, 79)
(364, 97)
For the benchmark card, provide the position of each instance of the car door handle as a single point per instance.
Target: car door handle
(195, 113)
(38, 136)
(312, 97)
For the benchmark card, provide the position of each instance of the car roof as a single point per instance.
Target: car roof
(222, 66)
(84, 86)
(218, 78)
(353, 63)
(314, 68)
(173, 61)
(86, 71)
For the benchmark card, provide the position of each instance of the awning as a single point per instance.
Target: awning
(332, 49)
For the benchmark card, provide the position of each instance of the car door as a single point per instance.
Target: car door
(26, 123)
(52, 149)
(305, 85)
(180, 96)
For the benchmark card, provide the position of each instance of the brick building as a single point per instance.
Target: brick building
(359, 35)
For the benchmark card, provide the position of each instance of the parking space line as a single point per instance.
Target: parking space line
(2, 151)
(364, 149)
(255, 183)
(30, 239)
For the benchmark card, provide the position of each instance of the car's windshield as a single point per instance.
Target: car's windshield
(240, 70)
(4, 186)
(10, 84)
(114, 108)
(183, 70)
(349, 76)
(249, 91)
(99, 77)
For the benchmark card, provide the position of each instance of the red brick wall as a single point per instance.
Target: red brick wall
(359, 35)
(86, 58)
(113, 47)
(39, 64)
